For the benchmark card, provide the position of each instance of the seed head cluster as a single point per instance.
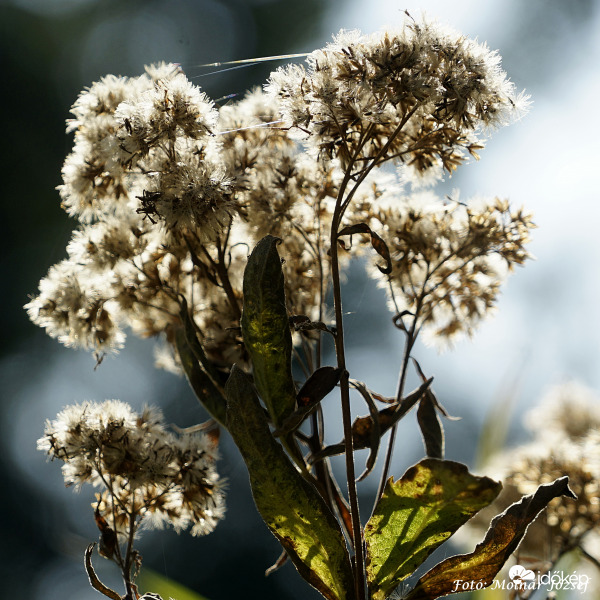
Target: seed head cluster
(147, 475)
(421, 96)
(171, 192)
(449, 259)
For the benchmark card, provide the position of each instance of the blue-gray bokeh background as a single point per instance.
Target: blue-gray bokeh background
(546, 330)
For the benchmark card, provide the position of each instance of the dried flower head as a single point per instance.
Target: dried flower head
(74, 308)
(149, 476)
(449, 259)
(570, 411)
(147, 183)
(421, 95)
(285, 193)
(567, 523)
(147, 144)
(172, 193)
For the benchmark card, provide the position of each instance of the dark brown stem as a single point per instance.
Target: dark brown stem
(342, 203)
(224, 277)
(410, 340)
(127, 567)
(346, 416)
(377, 160)
(411, 337)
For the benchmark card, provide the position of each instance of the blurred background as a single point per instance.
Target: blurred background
(546, 330)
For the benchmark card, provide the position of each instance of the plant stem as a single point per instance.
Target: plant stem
(342, 203)
(129, 555)
(400, 391)
(346, 417)
(224, 277)
(411, 337)
(376, 161)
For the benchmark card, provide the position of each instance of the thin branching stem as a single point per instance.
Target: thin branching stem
(127, 567)
(224, 277)
(342, 204)
(346, 418)
(357, 537)
(378, 159)
(411, 336)
(408, 345)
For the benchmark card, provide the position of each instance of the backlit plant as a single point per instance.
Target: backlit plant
(222, 231)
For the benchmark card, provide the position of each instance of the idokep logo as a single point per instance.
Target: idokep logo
(522, 579)
(520, 574)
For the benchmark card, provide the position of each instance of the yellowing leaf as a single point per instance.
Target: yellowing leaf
(500, 541)
(416, 514)
(266, 329)
(291, 507)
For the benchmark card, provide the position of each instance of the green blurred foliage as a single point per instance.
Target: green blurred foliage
(151, 581)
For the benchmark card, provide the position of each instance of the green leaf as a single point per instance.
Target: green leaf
(500, 541)
(151, 581)
(266, 329)
(205, 389)
(291, 507)
(416, 514)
